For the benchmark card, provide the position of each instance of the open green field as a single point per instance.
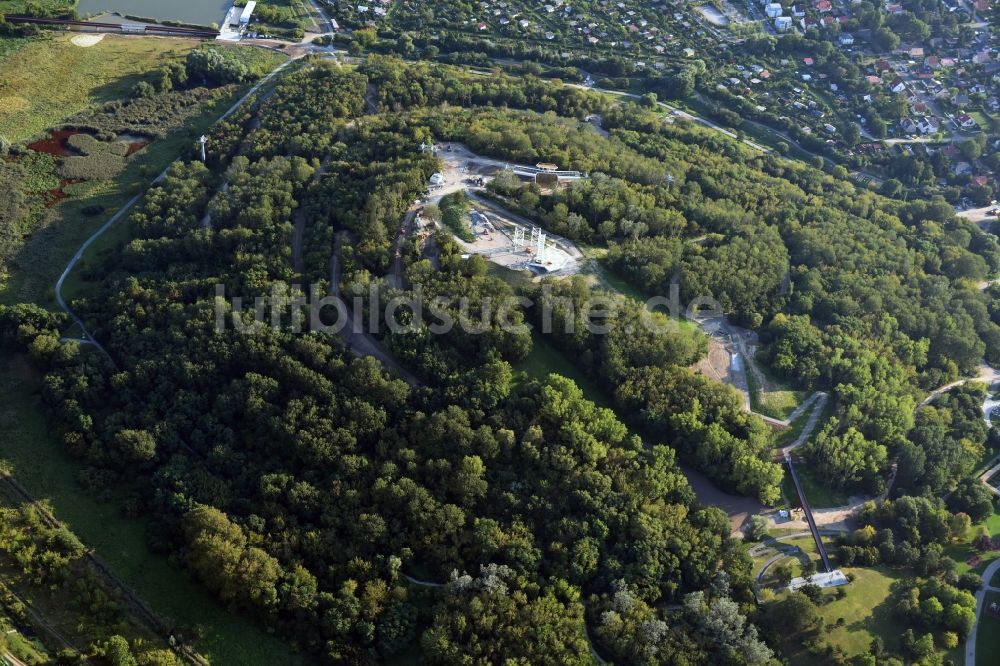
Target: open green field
(818, 492)
(545, 359)
(865, 613)
(988, 634)
(771, 395)
(47, 79)
(805, 544)
(777, 404)
(19, 645)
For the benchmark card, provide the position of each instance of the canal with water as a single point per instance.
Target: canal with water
(198, 12)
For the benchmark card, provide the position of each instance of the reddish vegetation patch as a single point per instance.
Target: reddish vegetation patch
(58, 194)
(56, 144)
(136, 146)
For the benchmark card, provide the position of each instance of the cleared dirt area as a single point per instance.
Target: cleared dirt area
(726, 360)
(87, 40)
(509, 244)
(502, 237)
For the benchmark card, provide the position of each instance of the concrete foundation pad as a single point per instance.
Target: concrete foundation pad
(835, 578)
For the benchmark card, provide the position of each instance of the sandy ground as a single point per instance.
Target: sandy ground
(837, 518)
(725, 342)
(713, 15)
(87, 40)
(717, 363)
(981, 216)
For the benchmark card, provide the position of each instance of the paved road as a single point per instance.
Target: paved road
(970, 642)
(421, 583)
(820, 405)
(678, 113)
(981, 216)
(395, 277)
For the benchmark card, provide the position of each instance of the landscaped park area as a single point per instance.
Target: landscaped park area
(851, 616)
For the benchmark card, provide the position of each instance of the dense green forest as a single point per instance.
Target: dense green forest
(312, 488)
(306, 488)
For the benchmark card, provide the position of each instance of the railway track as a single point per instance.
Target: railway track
(140, 609)
(150, 28)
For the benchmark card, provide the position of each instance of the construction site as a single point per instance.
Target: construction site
(500, 236)
(514, 245)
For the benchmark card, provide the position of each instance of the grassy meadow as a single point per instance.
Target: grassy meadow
(46, 79)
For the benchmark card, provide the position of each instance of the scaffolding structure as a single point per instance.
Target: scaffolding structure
(540, 247)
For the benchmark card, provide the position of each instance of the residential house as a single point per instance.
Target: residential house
(928, 125)
(965, 121)
(908, 126)
(846, 39)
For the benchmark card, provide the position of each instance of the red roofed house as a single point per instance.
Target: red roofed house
(824, 5)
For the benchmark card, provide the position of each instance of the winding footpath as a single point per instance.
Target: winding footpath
(987, 375)
(970, 642)
(60, 298)
(353, 330)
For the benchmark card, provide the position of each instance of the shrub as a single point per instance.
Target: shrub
(100, 166)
